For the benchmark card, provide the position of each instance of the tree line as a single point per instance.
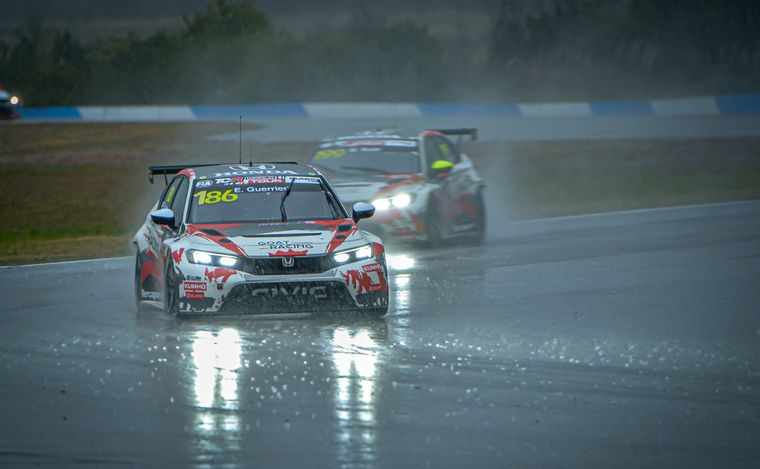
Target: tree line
(229, 53)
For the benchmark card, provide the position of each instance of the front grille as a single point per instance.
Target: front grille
(275, 265)
(288, 297)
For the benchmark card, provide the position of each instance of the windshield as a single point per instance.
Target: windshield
(368, 159)
(260, 199)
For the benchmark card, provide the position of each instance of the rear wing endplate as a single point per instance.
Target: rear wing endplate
(171, 170)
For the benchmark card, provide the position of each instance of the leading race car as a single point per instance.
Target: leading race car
(256, 238)
(424, 189)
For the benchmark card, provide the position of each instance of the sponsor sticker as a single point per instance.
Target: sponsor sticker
(194, 290)
(285, 245)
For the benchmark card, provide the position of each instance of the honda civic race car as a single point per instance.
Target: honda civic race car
(256, 238)
(8, 105)
(423, 188)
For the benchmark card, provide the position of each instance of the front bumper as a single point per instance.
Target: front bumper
(356, 285)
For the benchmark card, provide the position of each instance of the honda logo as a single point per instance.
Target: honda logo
(288, 262)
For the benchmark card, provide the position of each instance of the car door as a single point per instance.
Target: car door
(456, 188)
(174, 197)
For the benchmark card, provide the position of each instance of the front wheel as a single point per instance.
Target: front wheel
(478, 234)
(171, 291)
(376, 312)
(433, 227)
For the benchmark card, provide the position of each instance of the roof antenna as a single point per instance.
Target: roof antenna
(240, 141)
(250, 160)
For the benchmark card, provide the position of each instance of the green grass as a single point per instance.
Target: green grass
(78, 191)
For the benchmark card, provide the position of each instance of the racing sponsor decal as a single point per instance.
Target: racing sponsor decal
(369, 280)
(219, 275)
(240, 181)
(318, 292)
(288, 253)
(285, 245)
(177, 255)
(194, 290)
(248, 172)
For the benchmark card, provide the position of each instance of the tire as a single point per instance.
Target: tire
(478, 235)
(141, 307)
(171, 291)
(433, 229)
(376, 312)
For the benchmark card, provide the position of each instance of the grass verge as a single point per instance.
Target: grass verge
(74, 191)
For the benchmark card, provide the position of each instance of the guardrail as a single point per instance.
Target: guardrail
(747, 104)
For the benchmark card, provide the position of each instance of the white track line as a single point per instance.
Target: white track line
(635, 211)
(83, 261)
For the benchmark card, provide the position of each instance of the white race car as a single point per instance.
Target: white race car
(256, 238)
(424, 188)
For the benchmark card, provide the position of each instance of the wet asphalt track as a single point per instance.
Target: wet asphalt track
(512, 128)
(622, 340)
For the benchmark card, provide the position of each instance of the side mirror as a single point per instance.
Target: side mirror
(164, 216)
(441, 168)
(362, 210)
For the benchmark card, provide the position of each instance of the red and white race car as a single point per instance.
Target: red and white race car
(423, 187)
(256, 238)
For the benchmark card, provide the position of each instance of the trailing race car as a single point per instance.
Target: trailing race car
(8, 105)
(423, 188)
(256, 238)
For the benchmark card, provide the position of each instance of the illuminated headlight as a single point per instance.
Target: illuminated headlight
(208, 258)
(398, 201)
(382, 204)
(14, 100)
(364, 252)
(341, 257)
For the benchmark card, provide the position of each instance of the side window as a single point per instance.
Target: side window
(169, 194)
(180, 199)
(447, 151)
(432, 153)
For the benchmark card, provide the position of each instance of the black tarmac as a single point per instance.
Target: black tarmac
(618, 340)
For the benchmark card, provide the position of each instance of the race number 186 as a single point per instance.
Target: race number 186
(214, 197)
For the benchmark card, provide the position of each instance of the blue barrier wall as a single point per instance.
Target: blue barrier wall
(748, 104)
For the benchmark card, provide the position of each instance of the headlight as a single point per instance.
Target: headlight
(209, 258)
(382, 204)
(398, 201)
(14, 100)
(364, 252)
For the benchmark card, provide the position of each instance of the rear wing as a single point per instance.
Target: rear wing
(174, 169)
(171, 170)
(469, 132)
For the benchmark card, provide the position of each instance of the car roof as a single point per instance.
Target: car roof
(255, 168)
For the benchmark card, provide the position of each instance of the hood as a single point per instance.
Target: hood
(276, 239)
(367, 188)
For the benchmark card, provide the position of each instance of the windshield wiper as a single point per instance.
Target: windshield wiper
(366, 169)
(282, 201)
